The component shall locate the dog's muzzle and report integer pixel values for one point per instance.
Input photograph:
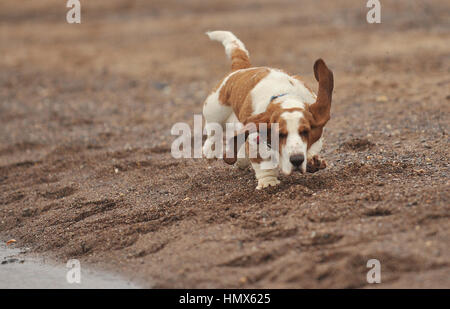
(297, 160)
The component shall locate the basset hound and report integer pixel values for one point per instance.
(256, 95)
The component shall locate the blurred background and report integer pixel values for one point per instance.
(160, 46)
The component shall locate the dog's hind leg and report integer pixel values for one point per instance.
(214, 113)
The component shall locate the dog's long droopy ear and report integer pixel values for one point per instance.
(321, 108)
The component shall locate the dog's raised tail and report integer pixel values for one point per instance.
(234, 49)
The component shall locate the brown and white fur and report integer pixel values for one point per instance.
(245, 96)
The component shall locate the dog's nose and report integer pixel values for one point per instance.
(297, 160)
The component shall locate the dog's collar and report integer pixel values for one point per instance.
(277, 96)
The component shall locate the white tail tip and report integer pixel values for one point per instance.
(229, 41)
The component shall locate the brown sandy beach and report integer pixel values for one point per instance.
(86, 170)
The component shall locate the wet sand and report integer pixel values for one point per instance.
(18, 271)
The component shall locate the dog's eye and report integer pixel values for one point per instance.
(283, 135)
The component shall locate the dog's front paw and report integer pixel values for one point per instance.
(315, 164)
(266, 182)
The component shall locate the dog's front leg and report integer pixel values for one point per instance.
(265, 177)
(315, 163)
(243, 161)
